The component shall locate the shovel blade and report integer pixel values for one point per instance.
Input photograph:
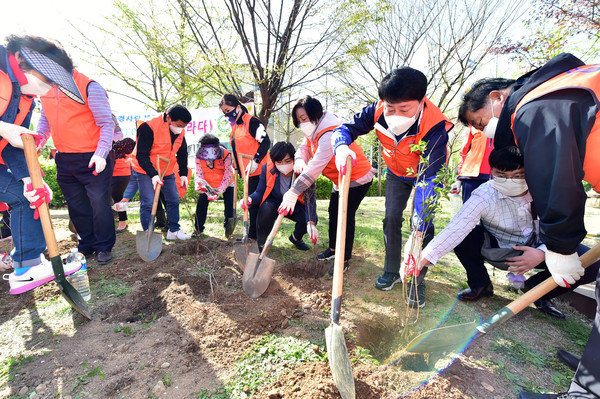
(72, 296)
(241, 252)
(257, 275)
(148, 252)
(443, 339)
(339, 361)
(230, 227)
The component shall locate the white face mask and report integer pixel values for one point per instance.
(490, 129)
(510, 187)
(308, 128)
(398, 124)
(285, 169)
(175, 129)
(35, 86)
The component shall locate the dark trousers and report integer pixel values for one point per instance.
(267, 214)
(468, 185)
(202, 208)
(253, 211)
(117, 189)
(397, 192)
(88, 199)
(355, 197)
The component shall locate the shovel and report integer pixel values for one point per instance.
(231, 222)
(445, 339)
(339, 361)
(72, 296)
(241, 248)
(148, 243)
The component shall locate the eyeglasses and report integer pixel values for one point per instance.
(502, 179)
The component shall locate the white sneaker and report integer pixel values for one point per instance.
(177, 235)
(34, 277)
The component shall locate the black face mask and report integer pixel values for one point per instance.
(231, 115)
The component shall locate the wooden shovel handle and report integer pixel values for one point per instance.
(35, 172)
(246, 179)
(161, 174)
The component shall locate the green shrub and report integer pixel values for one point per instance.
(49, 169)
(324, 187)
(374, 189)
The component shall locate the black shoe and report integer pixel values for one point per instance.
(346, 267)
(301, 245)
(533, 395)
(569, 359)
(328, 254)
(546, 306)
(104, 257)
(416, 296)
(474, 295)
(386, 281)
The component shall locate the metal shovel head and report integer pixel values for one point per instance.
(443, 339)
(241, 252)
(339, 361)
(257, 275)
(229, 227)
(148, 252)
(72, 296)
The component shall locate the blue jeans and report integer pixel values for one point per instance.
(27, 234)
(169, 189)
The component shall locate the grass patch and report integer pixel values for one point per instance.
(11, 366)
(86, 377)
(110, 288)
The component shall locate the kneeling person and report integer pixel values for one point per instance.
(276, 180)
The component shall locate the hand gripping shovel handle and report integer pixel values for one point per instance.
(69, 292)
(161, 174)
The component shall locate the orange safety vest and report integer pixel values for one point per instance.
(399, 157)
(246, 144)
(72, 125)
(122, 167)
(214, 175)
(161, 146)
(182, 190)
(475, 154)
(6, 90)
(271, 177)
(586, 77)
(361, 169)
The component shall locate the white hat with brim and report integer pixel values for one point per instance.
(54, 72)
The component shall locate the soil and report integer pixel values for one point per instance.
(186, 321)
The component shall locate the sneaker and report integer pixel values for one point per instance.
(34, 277)
(299, 244)
(415, 297)
(177, 235)
(346, 267)
(387, 280)
(328, 254)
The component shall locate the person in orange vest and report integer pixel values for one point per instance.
(29, 66)
(214, 170)
(551, 114)
(249, 137)
(402, 117)
(315, 157)
(474, 166)
(275, 181)
(162, 135)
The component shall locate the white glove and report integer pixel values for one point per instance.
(12, 133)
(565, 269)
(455, 188)
(288, 203)
(156, 180)
(312, 231)
(184, 182)
(36, 197)
(341, 155)
(299, 166)
(251, 168)
(99, 162)
(412, 255)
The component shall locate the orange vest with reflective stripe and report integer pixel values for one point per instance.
(587, 78)
(161, 146)
(246, 144)
(363, 166)
(398, 156)
(72, 125)
(25, 101)
(214, 175)
(122, 167)
(478, 150)
(271, 177)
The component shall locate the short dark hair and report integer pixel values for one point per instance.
(312, 106)
(477, 97)
(280, 150)
(506, 158)
(179, 113)
(48, 48)
(403, 84)
(232, 101)
(209, 139)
